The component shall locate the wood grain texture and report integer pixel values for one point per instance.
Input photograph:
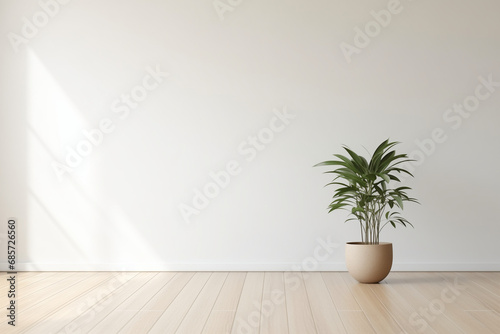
(274, 317)
(339, 292)
(172, 318)
(300, 318)
(254, 302)
(194, 321)
(247, 317)
(417, 316)
(356, 322)
(325, 314)
(380, 318)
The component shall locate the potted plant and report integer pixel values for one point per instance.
(364, 188)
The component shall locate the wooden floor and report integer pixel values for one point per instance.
(253, 302)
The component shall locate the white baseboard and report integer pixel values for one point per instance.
(446, 266)
(243, 266)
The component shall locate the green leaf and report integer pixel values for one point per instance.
(392, 177)
(337, 183)
(357, 209)
(385, 177)
(336, 206)
(400, 202)
(330, 163)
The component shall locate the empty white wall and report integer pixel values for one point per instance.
(231, 71)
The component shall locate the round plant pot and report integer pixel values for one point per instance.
(368, 263)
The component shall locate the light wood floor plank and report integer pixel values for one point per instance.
(432, 287)
(407, 287)
(59, 319)
(374, 311)
(483, 282)
(119, 317)
(145, 294)
(221, 318)
(274, 318)
(340, 294)
(356, 322)
(230, 294)
(141, 322)
(247, 317)
(300, 319)
(323, 309)
(169, 292)
(458, 285)
(60, 302)
(28, 281)
(490, 319)
(152, 311)
(219, 322)
(493, 277)
(90, 318)
(38, 296)
(174, 314)
(197, 316)
(399, 307)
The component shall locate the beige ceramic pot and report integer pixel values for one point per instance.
(368, 263)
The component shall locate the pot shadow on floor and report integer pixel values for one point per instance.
(412, 278)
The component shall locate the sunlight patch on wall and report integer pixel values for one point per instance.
(70, 215)
(51, 121)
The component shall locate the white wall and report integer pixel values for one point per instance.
(229, 76)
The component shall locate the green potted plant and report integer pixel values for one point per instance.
(365, 188)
